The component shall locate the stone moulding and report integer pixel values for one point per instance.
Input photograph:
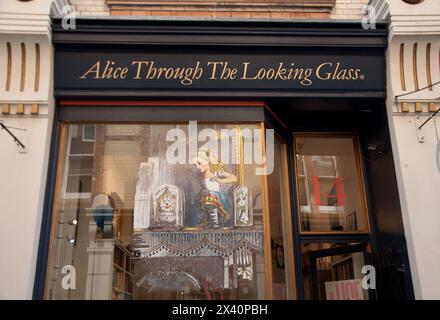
(226, 5)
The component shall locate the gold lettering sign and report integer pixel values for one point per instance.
(150, 70)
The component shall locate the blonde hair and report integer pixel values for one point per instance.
(214, 164)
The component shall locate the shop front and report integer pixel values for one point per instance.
(220, 160)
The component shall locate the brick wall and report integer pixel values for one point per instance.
(348, 9)
(343, 9)
(91, 7)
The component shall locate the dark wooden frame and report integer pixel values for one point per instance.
(227, 33)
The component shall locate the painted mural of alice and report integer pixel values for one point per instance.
(215, 205)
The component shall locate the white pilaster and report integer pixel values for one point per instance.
(26, 103)
(413, 62)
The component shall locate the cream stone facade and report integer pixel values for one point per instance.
(26, 104)
(413, 73)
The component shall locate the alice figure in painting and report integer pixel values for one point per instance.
(215, 204)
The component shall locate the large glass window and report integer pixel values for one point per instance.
(162, 211)
(330, 186)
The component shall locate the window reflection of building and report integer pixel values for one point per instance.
(79, 161)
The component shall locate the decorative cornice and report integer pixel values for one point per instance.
(26, 72)
(225, 5)
(26, 52)
(22, 23)
(422, 18)
(25, 17)
(425, 24)
(230, 32)
(381, 9)
(60, 7)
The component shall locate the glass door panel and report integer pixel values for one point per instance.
(330, 184)
(333, 271)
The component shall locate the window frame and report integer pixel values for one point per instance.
(361, 178)
(247, 112)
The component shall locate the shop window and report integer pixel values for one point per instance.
(330, 185)
(162, 222)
